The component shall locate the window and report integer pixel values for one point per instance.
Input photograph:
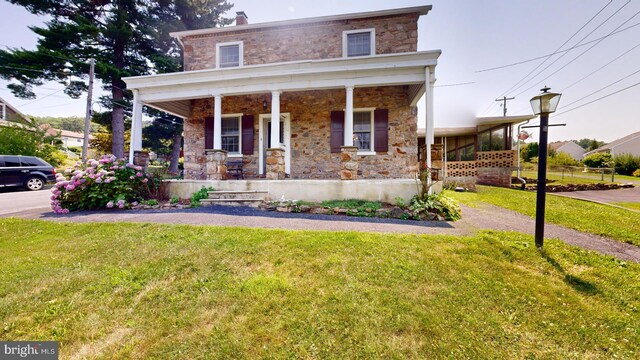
(30, 161)
(362, 124)
(231, 134)
(358, 42)
(11, 161)
(467, 153)
(3, 112)
(229, 54)
(492, 140)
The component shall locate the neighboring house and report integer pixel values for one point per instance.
(629, 144)
(483, 152)
(9, 115)
(569, 147)
(325, 98)
(68, 138)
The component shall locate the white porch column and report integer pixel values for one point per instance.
(136, 126)
(428, 97)
(275, 119)
(348, 118)
(217, 122)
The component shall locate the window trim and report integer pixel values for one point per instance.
(240, 53)
(239, 153)
(345, 43)
(372, 136)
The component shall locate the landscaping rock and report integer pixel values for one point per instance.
(304, 208)
(396, 212)
(285, 209)
(319, 210)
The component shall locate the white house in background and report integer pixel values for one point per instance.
(568, 147)
(68, 138)
(629, 144)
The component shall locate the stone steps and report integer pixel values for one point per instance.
(235, 198)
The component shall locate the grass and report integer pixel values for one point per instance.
(629, 205)
(160, 291)
(580, 215)
(578, 178)
(627, 178)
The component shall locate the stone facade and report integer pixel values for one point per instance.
(349, 163)
(275, 164)
(215, 167)
(310, 41)
(311, 156)
(495, 176)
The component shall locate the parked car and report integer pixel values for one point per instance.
(28, 171)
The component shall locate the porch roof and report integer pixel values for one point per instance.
(172, 92)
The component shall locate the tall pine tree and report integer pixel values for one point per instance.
(125, 37)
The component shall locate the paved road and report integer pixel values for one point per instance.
(15, 200)
(605, 196)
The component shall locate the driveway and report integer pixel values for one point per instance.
(605, 196)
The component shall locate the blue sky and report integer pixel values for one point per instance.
(473, 36)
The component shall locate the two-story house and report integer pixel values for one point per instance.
(324, 98)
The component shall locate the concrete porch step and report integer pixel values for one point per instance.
(232, 202)
(238, 195)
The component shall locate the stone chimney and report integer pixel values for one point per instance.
(241, 18)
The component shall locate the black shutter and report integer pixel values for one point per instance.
(247, 135)
(208, 133)
(337, 130)
(381, 130)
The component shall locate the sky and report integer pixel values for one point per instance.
(473, 36)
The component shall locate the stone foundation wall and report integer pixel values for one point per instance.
(311, 156)
(495, 176)
(321, 40)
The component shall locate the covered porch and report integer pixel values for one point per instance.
(297, 120)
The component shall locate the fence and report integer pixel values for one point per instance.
(567, 173)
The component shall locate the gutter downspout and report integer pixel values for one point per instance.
(523, 181)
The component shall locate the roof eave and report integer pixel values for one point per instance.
(421, 10)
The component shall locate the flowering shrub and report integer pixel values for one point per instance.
(98, 184)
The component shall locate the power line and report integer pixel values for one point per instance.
(602, 67)
(577, 57)
(515, 87)
(602, 88)
(600, 98)
(458, 84)
(44, 97)
(557, 52)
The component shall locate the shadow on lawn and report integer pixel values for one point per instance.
(575, 282)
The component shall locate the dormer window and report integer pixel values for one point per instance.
(229, 54)
(359, 42)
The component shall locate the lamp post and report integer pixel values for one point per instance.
(543, 105)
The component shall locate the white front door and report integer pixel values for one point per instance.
(265, 140)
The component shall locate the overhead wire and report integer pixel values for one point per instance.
(598, 99)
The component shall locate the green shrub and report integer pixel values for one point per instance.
(174, 200)
(436, 203)
(626, 164)
(598, 160)
(203, 193)
(98, 184)
(636, 173)
(562, 159)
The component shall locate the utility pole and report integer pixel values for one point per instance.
(504, 104)
(87, 118)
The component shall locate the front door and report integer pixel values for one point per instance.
(265, 140)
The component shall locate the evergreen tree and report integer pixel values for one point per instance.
(125, 37)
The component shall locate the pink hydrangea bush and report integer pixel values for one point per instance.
(105, 183)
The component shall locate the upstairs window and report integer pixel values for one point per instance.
(229, 54)
(358, 42)
(231, 134)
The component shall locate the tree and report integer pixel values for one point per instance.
(69, 123)
(164, 137)
(589, 144)
(598, 160)
(30, 141)
(529, 151)
(125, 37)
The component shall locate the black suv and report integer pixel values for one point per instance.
(28, 171)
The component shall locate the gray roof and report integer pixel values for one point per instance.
(614, 143)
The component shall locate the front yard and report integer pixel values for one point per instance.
(615, 223)
(160, 291)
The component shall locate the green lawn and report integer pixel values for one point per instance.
(581, 215)
(629, 205)
(160, 291)
(577, 178)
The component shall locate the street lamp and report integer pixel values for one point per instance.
(543, 105)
